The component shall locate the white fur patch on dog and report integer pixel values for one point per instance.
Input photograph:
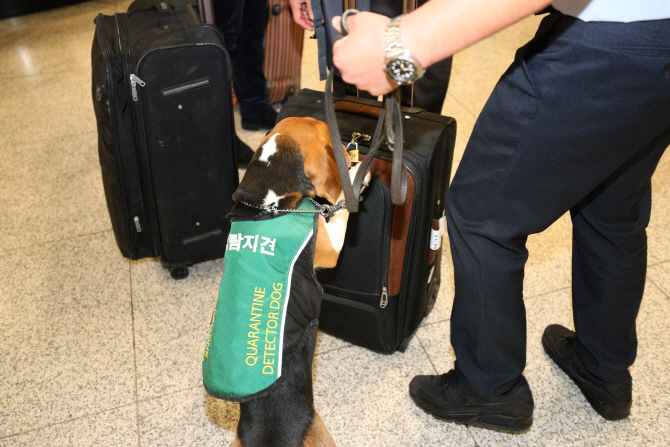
(268, 149)
(336, 228)
(271, 198)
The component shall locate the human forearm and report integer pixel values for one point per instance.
(440, 28)
(433, 32)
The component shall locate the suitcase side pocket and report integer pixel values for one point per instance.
(357, 305)
(358, 323)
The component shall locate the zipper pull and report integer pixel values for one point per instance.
(357, 136)
(385, 298)
(138, 227)
(134, 80)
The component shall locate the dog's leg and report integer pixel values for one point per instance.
(286, 416)
(318, 435)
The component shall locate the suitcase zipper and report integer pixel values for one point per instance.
(109, 86)
(126, 54)
(385, 298)
(134, 80)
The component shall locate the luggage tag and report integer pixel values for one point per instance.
(436, 235)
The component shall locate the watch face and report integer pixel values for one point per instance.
(401, 71)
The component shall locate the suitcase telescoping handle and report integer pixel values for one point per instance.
(389, 123)
(206, 11)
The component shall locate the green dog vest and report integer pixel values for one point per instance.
(268, 296)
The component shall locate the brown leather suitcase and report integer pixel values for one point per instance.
(283, 52)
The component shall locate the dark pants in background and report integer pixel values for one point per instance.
(578, 123)
(243, 24)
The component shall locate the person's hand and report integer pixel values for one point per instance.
(302, 13)
(360, 55)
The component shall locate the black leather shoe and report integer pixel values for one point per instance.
(243, 152)
(612, 401)
(266, 121)
(446, 397)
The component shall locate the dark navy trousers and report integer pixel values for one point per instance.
(578, 123)
(243, 24)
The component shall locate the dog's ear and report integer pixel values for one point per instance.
(321, 170)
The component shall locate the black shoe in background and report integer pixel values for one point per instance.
(447, 397)
(611, 401)
(266, 121)
(243, 152)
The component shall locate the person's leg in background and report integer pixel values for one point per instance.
(243, 24)
(564, 118)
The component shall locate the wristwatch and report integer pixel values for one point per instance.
(399, 64)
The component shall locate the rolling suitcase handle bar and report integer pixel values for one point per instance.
(206, 11)
(390, 122)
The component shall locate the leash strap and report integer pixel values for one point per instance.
(347, 188)
(390, 122)
(320, 36)
(389, 128)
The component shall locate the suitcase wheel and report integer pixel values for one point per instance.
(404, 343)
(179, 272)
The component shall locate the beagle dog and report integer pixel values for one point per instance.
(294, 163)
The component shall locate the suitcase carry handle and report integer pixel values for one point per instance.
(390, 123)
(165, 14)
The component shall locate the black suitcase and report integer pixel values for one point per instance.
(388, 273)
(162, 99)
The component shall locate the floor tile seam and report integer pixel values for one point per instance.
(171, 393)
(472, 435)
(658, 287)
(432, 323)
(59, 137)
(334, 349)
(472, 113)
(657, 264)
(427, 355)
(55, 241)
(53, 424)
(132, 318)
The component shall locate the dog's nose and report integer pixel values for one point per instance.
(242, 195)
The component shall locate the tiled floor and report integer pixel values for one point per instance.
(98, 351)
